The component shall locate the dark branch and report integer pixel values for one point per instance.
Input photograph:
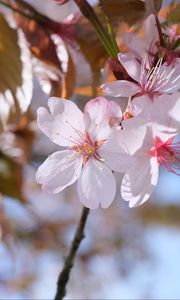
(69, 261)
(161, 38)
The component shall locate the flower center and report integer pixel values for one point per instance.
(168, 154)
(88, 148)
(157, 78)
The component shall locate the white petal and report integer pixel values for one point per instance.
(120, 88)
(96, 185)
(100, 115)
(132, 66)
(133, 134)
(138, 184)
(59, 170)
(174, 110)
(151, 34)
(142, 106)
(170, 82)
(64, 125)
(165, 116)
(114, 155)
(132, 40)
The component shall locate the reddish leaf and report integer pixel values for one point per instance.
(40, 41)
(15, 74)
(129, 11)
(11, 178)
(48, 66)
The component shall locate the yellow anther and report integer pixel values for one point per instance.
(171, 157)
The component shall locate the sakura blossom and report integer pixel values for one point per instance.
(87, 156)
(147, 83)
(149, 145)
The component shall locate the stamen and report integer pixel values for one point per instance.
(67, 139)
(153, 80)
(79, 133)
(154, 74)
(88, 148)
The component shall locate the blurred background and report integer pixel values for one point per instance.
(127, 253)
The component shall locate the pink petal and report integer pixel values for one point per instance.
(173, 109)
(132, 40)
(166, 107)
(165, 116)
(163, 113)
(100, 115)
(68, 110)
(132, 66)
(151, 35)
(139, 182)
(96, 185)
(133, 135)
(64, 125)
(170, 82)
(59, 170)
(114, 155)
(142, 106)
(120, 88)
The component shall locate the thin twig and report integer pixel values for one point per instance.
(69, 261)
(161, 38)
(89, 13)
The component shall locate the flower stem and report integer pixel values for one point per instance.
(89, 13)
(69, 261)
(161, 39)
(111, 34)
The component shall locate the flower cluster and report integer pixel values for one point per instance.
(103, 139)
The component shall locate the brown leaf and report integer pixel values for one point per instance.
(48, 66)
(53, 81)
(69, 79)
(16, 142)
(49, 77)
(129, 11)
(91, 47)
(11, 178)
(173, 17)
(15, 74)
(40, 41)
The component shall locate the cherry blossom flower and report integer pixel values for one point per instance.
(148, 84)
(89, 156)
(147, 147)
